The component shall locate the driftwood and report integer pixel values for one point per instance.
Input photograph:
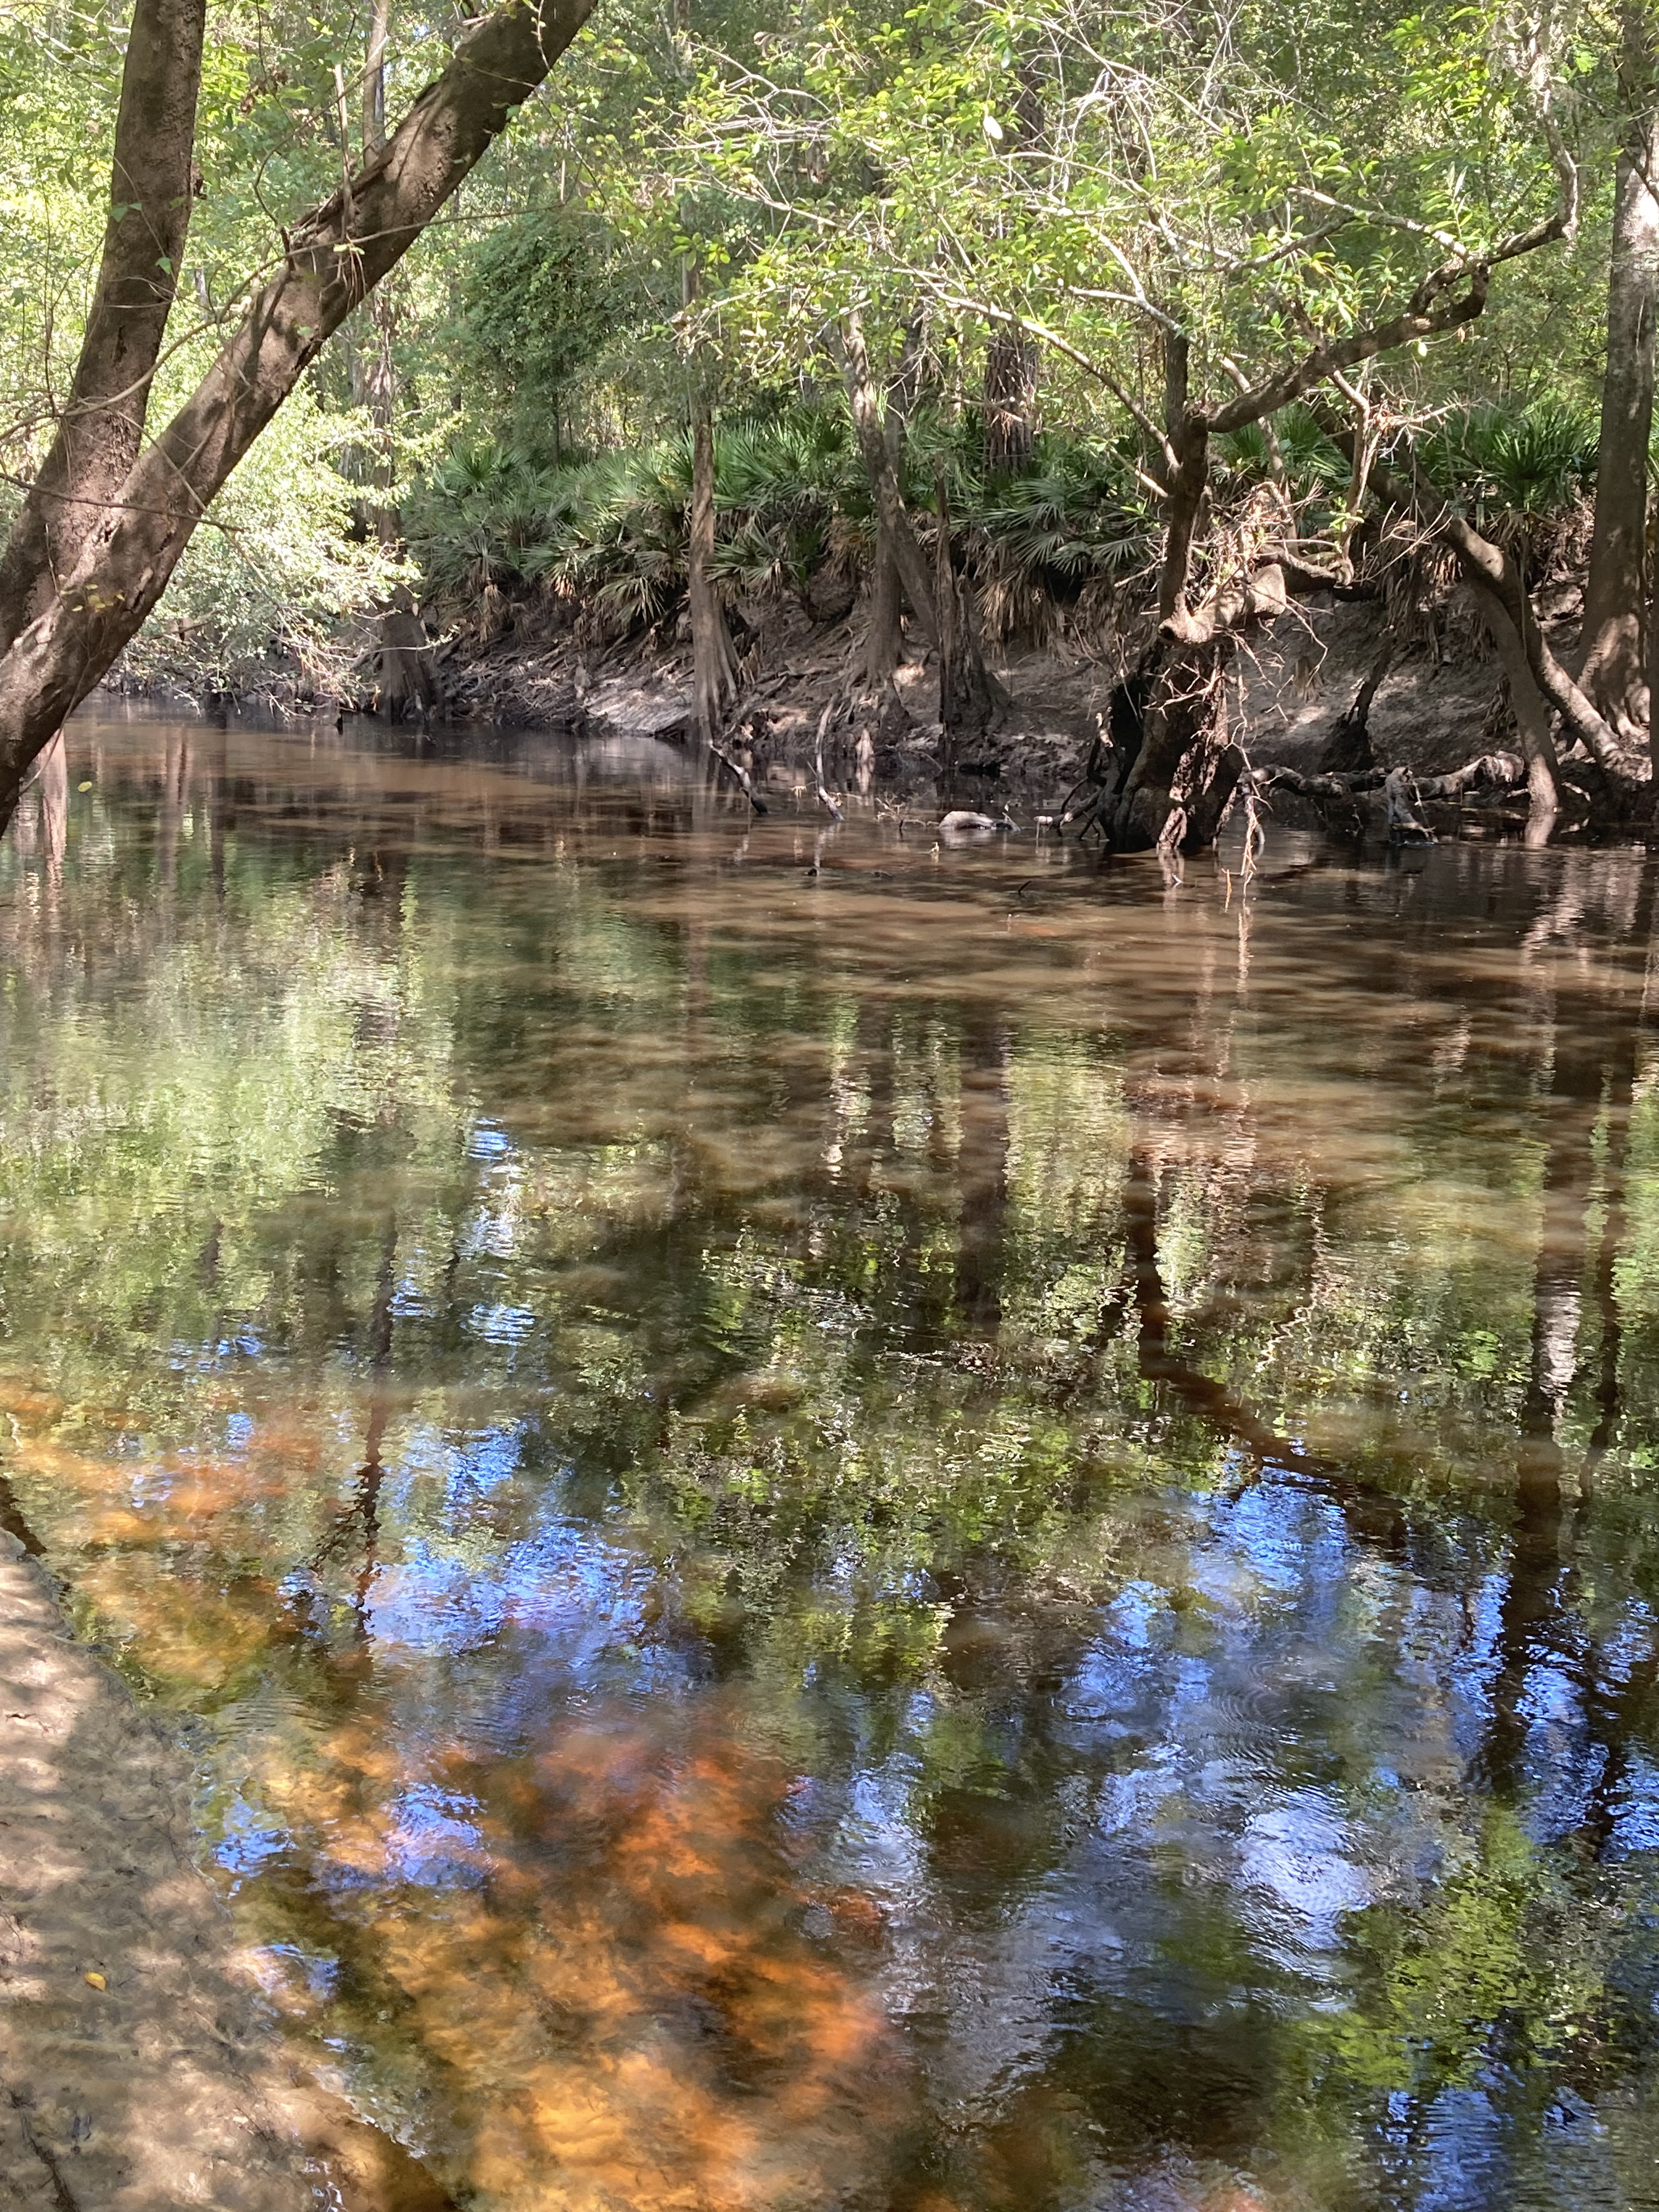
(1498, 773)
(1488, 777)
(817, 762)
(744, 780)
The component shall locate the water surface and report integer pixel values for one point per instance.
(852, 1525)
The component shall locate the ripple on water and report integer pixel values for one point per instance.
(737, 1670)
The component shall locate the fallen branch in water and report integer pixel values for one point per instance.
(746, 782)
(1401, 799)
(1498, 773)
(824, 724)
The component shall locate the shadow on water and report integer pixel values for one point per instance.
(856, 1526)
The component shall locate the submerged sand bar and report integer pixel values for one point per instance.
(161, 2088)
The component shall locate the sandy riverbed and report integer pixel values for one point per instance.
(136, 2073)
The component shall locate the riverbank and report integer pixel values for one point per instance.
(1326, 698)
(1431, 703)
(1297, 676)
(1435, 699)
(137, 2073)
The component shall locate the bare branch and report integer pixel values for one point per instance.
(1429, 313)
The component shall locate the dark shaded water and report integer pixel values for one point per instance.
(954, 1535)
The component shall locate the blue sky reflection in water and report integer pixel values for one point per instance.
(948, 1535)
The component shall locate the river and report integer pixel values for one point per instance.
(853, 1523)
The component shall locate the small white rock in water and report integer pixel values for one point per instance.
(962, 824)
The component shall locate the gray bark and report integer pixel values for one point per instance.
(864, 402)
(1613, 668)
(712, 672)
(1010, 400)
(1492, 572)
(334, 258)
(966, 698)
(73, 499)
(883, 636)
(374, 78)
(1532, 720)
(884, 639)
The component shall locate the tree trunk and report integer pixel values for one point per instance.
(1172, 793)
(1186, 432)
(375, 77)
(1189, 476)
(883, 640)
(72, 503)
(965, 697)
(1011, 383)
(1613, 671)
(1187, 490)
(1532, 720)
(1348, 748)
(1492, 573)
(406, 680)
(869, 428)
(884, 637)
(405, 674)
(713, 675)
(335, 256)
(1012, 360)
(1169, 791)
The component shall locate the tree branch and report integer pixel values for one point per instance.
(335, 256)
(99, 432)
(1428, 313)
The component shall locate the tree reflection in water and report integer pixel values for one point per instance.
(936, 1536)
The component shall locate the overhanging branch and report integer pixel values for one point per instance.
(335, 256)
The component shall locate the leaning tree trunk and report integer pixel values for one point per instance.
(1614, 661)
(334, 258)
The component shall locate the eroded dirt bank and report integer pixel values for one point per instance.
(1439, 701)
(136, 2073)
(1434, 693)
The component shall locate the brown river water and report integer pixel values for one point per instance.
(850, 1524)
